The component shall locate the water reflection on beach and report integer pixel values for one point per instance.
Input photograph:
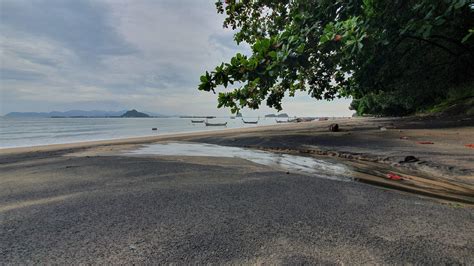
(292, 163)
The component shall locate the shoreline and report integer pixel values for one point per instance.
(155, 138)
(359, 144)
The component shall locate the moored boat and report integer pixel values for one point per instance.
(216, 124)
(197, 121)
(249, 122)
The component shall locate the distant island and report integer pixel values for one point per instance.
(277, 115)
(134, 113)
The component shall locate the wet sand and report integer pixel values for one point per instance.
(88, 203)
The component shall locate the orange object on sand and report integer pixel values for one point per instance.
(470, 145)
(425, 142)
(394, 176)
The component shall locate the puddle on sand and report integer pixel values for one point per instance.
(291, 163)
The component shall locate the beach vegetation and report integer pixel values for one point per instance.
(391, 57)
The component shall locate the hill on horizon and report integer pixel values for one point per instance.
(134, 113)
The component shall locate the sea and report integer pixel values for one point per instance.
(28, 132)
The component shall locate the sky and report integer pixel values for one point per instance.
(121, 54)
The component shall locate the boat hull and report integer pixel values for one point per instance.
(216, 124)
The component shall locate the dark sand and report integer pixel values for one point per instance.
(86, 203)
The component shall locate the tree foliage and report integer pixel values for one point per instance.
(389, 56)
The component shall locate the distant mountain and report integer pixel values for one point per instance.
(134, 113)
(278, 115)
(71, 113)
(76, 113)
(93, 113)
(27, 114)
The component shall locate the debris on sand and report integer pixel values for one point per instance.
(425, 142)
(410, 159)
(394, 176)
(334, 127)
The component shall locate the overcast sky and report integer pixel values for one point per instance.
(119, 54)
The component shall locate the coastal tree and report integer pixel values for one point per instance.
(391, 57)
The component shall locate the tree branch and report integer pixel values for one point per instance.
(432, 43)
(454, 41)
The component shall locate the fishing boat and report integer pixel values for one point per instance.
(249, 122)
(216, 124)
(197, 121)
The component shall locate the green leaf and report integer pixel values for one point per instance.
(459, 4)
(324, 38)
(467, 37)
(439, 21)
(300, 48)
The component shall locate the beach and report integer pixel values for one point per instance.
(90, 202)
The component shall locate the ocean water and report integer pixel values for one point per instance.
(26, 132)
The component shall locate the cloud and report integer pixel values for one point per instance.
(141, 54)
(81, 26)
(224, 42)
(16, 74)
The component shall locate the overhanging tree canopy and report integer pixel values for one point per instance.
(390, 56)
